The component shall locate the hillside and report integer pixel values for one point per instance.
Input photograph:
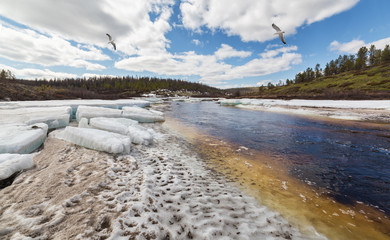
(371, 83)
(100, 88)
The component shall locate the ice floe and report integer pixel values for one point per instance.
(91, 112)
(22, 138)
(138, 134)
(143, 115)
(54, 117)
(95, 139)
(12, 163)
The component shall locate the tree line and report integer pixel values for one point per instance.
(363, 59)
(105, 84)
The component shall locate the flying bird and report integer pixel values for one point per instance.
(110, 40)
(279, 32)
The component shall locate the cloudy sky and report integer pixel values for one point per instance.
(222, 43)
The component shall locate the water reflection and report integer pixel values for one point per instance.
(352, 163)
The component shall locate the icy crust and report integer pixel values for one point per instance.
(137, 133)
(143, 115)
(91, 112)
(366, 110)
(136, 113)
(358, 104)
(12, 163)
(116, 104)
(22, 138)
(163, 191)
(95, 139)
(54, 117)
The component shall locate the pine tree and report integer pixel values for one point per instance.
(385, 54)
(372, 55)
(361, 60)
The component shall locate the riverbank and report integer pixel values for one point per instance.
(161, 191)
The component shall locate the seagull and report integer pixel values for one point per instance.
(279, 32)
(111, 40)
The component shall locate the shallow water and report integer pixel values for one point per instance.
(350, 162)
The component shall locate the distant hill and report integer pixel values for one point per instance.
(370, 83)
(101, 88)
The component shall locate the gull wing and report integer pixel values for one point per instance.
(276, 27)
(109, 37)
(113, 44)
(282, 38)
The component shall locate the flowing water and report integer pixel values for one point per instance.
(348, 164)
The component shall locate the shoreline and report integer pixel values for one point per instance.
(158, 191)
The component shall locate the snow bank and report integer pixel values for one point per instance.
(96, 139)
(54, 117)
(356, 104)
(12, 163)
(143, 115)
(138, 134)
(22, 138)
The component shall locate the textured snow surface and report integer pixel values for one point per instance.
(95, 139)
(12, 163)
(22, 138)
(160, 191)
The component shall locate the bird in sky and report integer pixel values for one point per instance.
(111, 41)
(279, 32)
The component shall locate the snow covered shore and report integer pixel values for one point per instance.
(159, 191)
(364, 110)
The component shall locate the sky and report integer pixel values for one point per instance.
(220, 43)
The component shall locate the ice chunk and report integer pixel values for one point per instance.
(117, 125)
(22, 138)
(54, 117)
(12, 163)
(84, 123)
(142, 115)
(96, 139)
(91, 112)
(138, 134)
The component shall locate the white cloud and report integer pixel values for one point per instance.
(209, 68)
(350, 47)
(88, 21)
(252, 19)
(227, 51)
(28, 46)
(264, 82)
(196, 42)
(33, 73)
(353, 46)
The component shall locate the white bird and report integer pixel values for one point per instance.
(279, 32)
(111, 41)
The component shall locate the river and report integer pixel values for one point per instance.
(347, 163)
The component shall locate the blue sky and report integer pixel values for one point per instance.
(224, 44)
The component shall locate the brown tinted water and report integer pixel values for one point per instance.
(299, 171)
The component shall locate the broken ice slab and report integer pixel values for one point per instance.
(96, 139)
(138, 134)
(12, 163)
(91, 112)
(54, 117)
(143, 115)
(22, 138)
